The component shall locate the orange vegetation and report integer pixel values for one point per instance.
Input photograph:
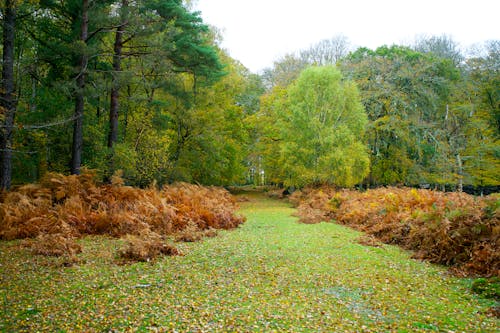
(74, 206)
(454, 229)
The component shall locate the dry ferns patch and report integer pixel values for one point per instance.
(147, 247)
(454, 229)
(62, 208)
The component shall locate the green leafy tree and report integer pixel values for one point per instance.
(405, 93)
(123, 22)
(209, 137)
(68, 40)
(163, 41)
(480, 98)
(264, 159)
(322, 125)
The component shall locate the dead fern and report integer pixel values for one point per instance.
(368, 240)
(454, 229)
(146, 247)
(55, 245)
(76, 206)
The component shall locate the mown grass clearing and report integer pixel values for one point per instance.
(271, 273)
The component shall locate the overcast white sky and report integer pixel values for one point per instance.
(257, 32)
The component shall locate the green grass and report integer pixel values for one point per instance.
(271, 274)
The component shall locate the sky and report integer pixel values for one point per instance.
(258, 32)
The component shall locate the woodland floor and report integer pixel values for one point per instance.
(270, 274)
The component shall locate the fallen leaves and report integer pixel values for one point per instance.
(272, 274)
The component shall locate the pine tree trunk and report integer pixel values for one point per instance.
(7, 97)
(115, 89)
(77, 146)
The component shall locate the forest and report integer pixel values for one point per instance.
(144, 87)
(140, 166)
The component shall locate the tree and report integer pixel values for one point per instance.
(132, 51)
(69, 41)
(208, 138)
(117, 68)
(480, 98)
(284, 71)
(171, 47)
(322, 124)
(264, 154)
(327, 51)
(405, 95)
(7, 97)
(441, 46)
(77, 143)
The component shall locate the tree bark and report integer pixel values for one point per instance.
(115, 89)
(77, 146)
(8, 99)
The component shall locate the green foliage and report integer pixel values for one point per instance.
(320, 124)
(208, 139)
(264, 154)
(189, 112)
(174, 124)
(405, 93)
(310, 131)
(483, 124)
(432, 120)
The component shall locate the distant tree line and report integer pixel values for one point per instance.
(433, 113)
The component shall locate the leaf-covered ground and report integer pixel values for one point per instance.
(271, 274)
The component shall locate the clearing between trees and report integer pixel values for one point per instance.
(270, 274)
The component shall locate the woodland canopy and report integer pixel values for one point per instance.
(144, 87)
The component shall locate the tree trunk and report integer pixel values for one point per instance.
(8, 98)
(77, 146)
(115, 88)
(460, 172)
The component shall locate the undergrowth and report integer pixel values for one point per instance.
(454, 229)
(270, 275)
(60, 209)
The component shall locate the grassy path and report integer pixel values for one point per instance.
(272, 274)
